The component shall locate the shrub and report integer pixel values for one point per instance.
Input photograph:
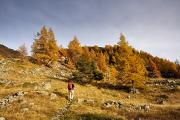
(98, 75)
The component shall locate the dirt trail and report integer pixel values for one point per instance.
(61, 113)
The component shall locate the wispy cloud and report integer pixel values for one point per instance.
(149, 25)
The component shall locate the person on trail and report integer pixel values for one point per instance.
(71, 90)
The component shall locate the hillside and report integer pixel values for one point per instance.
(8, 53)
(34, 92)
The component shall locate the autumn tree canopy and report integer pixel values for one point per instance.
(74, 49)
(121, 63)
(153, 70)
(131, 67)
(44, 48)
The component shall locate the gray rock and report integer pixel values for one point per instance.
(128, 97)
(89, 101)
(134, 91)
(53, 96)
(111, 103)
(10, 98)
(146, 107)
(24, 109)
(80, 100)
(47, 85)
(108, 105)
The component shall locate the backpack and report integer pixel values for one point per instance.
(70, 86)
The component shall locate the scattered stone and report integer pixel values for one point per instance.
(9, 99)
(108, 105)
(46, 85)
(7, 82)
(116, 104)
(80, 100)
(24, 109)
(53, 96)
(166, 83)
(128, 97)
(146, 107)
(134, 91)
(89, 101)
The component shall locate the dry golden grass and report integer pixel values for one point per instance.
(45, 109)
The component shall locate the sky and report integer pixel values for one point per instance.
(149, 25)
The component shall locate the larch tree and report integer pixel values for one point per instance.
(86, 53)
(52, 44)
(75, 50)
(92, 55)
(153, 70)
(101, 62)
(131, 67)
(44, 48)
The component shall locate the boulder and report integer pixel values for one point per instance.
(46, 85)
(53, 96)
(134, 91)
(24, 109)
(128, 97)
(108, 105)
(89, 101)
(2, 118)
(80, 100)
(10, 98)
(146, 107)
(117, 104)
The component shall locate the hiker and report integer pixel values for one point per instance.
(71, 90)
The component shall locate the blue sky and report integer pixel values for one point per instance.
(149, 25)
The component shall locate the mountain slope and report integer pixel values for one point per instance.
(45, 96)
(8, 53)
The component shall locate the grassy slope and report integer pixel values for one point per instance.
(44, 108)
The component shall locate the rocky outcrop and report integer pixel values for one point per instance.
(6, 82)
(111, 103)
(86, 101)
(165, 83)
(128, 107)
(53, 96)
(11, 98)
(11, 66)
(134, 91)
(43, 86)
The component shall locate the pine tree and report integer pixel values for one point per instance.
(131, 67)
